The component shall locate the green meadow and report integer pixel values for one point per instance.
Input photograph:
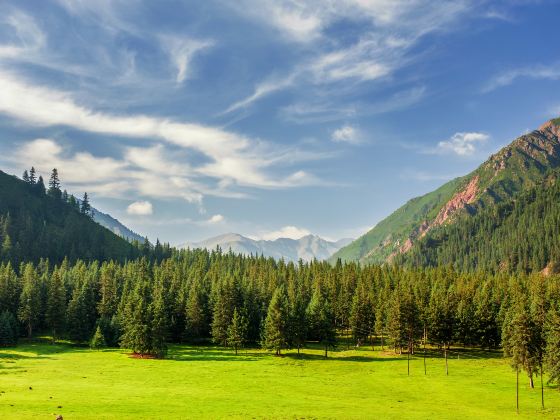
(40, 380)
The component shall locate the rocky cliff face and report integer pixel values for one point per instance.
(518, 166)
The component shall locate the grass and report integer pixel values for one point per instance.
(39, 380)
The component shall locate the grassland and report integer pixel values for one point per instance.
(39, 380)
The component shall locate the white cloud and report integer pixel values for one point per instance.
(346, 134)
(462, 144)
(291, 232)
(261, 90)
(28, 38)
(140, 208)
(217, 218)
(231, 156)
(181, 53)
(389, 29)
(550, 72)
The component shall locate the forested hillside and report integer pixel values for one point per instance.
(517, 235)
(527, 163)
(38, 221)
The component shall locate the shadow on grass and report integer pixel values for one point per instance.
(207, 353)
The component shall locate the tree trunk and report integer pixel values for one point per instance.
(326, 349)
(542, 389)
(446, 365)
(531, 383)
(235, 350)
(408, 360)
(381, 341)
(517, 388)
(424, 357)
(29, 330)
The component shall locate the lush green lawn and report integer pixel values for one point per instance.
(40, 380)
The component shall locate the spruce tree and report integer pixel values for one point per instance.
(362, 315)
(56, 305)
(25, 176)
(98, 340)
(85, 207)
(158, 324)
(54, 185)
(321, 320)
(30, 299)
(197, 311)
(237, 331)
(8, 329)
(552, 354)
(275, 332)
(32, 176)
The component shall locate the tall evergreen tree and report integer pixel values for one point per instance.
(30, 300)
(56, 305)
(275, 332)
(321, 320)
(237, 331)
(85, 207)
(8, 329)
(54, 185)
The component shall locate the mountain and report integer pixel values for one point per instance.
(529, 164)
(115, 226)
(306, 248)
(36, 225)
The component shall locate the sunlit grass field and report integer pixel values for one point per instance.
(40, 380)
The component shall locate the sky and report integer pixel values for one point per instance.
(268, 118)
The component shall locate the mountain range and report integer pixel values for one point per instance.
(115, 226)
(306, 248)
(509, 182)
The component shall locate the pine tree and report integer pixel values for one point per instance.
(8, 329)
(56, 305)
(85, 208)
(25, 176)
(197, 311)
(321, 320)
(362, 316)
(98, 340)
(237, 331)
(40, 186)
(552, 354)
(136, 320)
(275, 332)
(54, 185)
(30, 299)
(32, 176)
(158, 326)
(298, 322)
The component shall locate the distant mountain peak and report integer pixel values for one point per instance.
(307, 248)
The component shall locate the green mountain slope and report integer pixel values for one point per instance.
(34, 225)
(521, 234)
(518, 167)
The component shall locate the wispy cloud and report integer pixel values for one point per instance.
(389, 31)
(290, 232)
(462, 144)
(550, 72)
(232, 156)
(181, 53)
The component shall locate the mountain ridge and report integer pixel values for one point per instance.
(515, 168)
(307, 248)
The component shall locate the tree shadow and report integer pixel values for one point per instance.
(206, 353)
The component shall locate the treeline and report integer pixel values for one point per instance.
(197, 296)
(518, 235)
(43, 221)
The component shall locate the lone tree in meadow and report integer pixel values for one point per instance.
(237, 331)
(275, 333)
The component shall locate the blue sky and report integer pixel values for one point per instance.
(268, 118)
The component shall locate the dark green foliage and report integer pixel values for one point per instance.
(552, 354)
(362, 317)
(275, 332)
(35, 225)
(8, 329)
(321, 320)
(98, 340)
(56, 305)
(237, 331)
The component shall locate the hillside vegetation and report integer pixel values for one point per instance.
(528, 162)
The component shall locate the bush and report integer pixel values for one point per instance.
(97, 341)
